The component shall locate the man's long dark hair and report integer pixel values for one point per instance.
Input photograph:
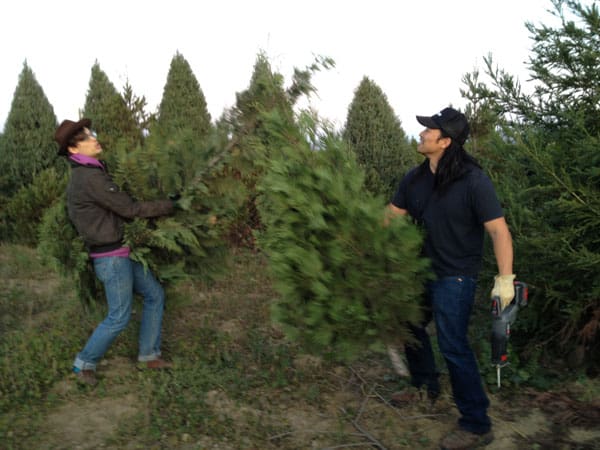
(454, 163)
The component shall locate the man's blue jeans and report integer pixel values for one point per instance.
(450, 301)
(121, 278)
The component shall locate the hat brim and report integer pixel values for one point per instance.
(428, 122)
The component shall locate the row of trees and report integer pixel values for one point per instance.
(266, 169)
(216, 167)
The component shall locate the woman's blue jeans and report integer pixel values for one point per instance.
(122, 277)
(450, 301)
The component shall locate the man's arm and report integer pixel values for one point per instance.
(392, 211)
(503, 248)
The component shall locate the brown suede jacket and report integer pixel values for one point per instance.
(98, 209)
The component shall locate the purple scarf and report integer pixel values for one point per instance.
(86, 160)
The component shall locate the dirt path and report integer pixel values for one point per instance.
(354, 414)
(238, 384)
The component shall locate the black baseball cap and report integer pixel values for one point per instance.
(450, 121)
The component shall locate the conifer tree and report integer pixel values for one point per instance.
(265, 92)
(4, 181)
(111, 118)
(63, 249)
(24, 211)
(375, 134)
(189, 243)
(545, 162)
(347, 282)
(28, 145)
(137, 107)
(250, 140)
(183, 105)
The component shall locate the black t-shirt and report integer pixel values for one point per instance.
(454, 220)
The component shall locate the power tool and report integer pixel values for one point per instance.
(501, 323)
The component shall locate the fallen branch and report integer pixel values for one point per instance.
(372, 440)
(290, 433)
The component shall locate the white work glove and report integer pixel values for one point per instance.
(504, 289)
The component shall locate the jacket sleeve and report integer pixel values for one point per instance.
(107, 194)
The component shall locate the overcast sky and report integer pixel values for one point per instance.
(416, 50)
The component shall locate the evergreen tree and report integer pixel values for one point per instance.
(189, 243)
(375, 134)
(344, 287)
(110, 116)
(265, 93)
(27, 146)
(62, 248)
(482, 113)
(4, 179)
(563, 65)
(250, 147)
(183, 106)
(545, 162)
(249, 142)
(24, 211)
(137, 107)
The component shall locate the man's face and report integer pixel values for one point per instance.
(432, 143)
(89, 146)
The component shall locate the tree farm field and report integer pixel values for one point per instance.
(237, 382)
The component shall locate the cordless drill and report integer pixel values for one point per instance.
(501, 323)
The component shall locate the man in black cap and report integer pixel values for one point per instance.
(98, 210)
(454, 201)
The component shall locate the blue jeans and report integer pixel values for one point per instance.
(122, 277)
(450, 300)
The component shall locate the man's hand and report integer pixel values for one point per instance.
(504, 289)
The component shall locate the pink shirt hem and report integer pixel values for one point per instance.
(122, 252)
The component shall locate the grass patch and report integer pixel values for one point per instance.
(237, 381)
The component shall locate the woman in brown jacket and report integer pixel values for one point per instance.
(98, 210)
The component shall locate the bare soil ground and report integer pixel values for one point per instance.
(353, 413)
(322, 406)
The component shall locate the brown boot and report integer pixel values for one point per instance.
(460, 439)
(156, 364)
(87, 377)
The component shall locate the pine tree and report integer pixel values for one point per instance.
(111, 118)
(250, 147)
(189, 243)
(183, 105)
(545, 162)
(375, 134)
(347, 282)
(24, 211)
(265, 93)
(249, 142)
(62, 248)
(137, 107)
(28, 145)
